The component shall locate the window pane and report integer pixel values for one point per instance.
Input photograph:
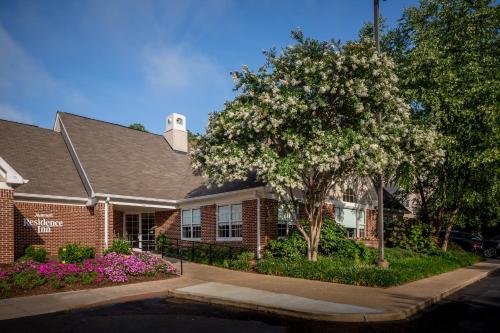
(196, 217)
(236, 214)
(224, 230)
(196, 231)
(349, 218)
(236, 230)
(338, 215)
(186, 217)
(361, 217)
(186, 232)
(223, 214)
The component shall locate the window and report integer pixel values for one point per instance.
(349, 195)
(229, 222)
(285, 221)
(191, 224)
(353, 220)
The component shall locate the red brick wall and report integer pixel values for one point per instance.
(208, 223)
(82, 224)
(268, 221)
(6, 226)
(170, 223)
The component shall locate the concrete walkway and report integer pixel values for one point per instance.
(324, 300)
(61, 301)
(281, 295)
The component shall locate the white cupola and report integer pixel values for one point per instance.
(176, 132)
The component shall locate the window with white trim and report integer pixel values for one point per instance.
(230, 221)
(285, 221)
(191, 224)
(349, 195)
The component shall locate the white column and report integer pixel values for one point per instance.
(106, 222)
(258, 228)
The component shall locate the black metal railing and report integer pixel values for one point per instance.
(205, 253)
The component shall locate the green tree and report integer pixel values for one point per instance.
(305, 121)
(138, 127)
(447, 53)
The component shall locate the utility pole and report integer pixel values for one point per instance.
(380, 177)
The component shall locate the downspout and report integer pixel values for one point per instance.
(258, 228)
(106, 222)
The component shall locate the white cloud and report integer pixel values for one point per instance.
(180, 67)
(8, 112)
(16, 67)
(22, 78)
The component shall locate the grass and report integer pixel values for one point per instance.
(405, 266)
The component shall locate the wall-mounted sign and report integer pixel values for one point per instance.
(43, 222)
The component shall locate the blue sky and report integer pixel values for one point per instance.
(137, 61)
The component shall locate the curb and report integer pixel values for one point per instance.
(333, 317)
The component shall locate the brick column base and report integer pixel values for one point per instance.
(6, 226)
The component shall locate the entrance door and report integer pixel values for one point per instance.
(132, 231)
(147, 231)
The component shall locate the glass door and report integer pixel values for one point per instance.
(147, 231)
(132, 230)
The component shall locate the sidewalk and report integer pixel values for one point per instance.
(62, 301)
(324, 300)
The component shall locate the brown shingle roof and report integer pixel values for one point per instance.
(41, 156)
(122, 161)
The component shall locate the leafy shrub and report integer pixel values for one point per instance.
(5, 289)
(75, 253)
(56, 283)
(294, 246)
(89, 278)
(162, 242)
(411, 234)
(36, 254)
(405, 266)
(332, 242)
(28, 279)
(70, 279)
(242, 261)
(120, 246)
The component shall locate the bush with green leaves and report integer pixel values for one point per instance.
(121, 246)
(162, 242)
(405, 266)
(38, 254)
(5, 289)
(333, 242)
(28, 279)
(75, 253)
(411, 234)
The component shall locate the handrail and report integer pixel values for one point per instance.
(177, 248)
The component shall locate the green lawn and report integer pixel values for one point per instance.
(405, 266)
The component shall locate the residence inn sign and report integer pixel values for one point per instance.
(42, 223)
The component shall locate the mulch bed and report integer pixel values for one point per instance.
(48, 289)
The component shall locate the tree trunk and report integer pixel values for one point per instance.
(450, 225)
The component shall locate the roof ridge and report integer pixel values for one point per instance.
(107, 122)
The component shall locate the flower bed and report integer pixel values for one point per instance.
(28, 277)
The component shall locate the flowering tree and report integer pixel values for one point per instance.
(305, 121)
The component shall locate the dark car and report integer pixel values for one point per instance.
(466, 241)
(490, 248)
